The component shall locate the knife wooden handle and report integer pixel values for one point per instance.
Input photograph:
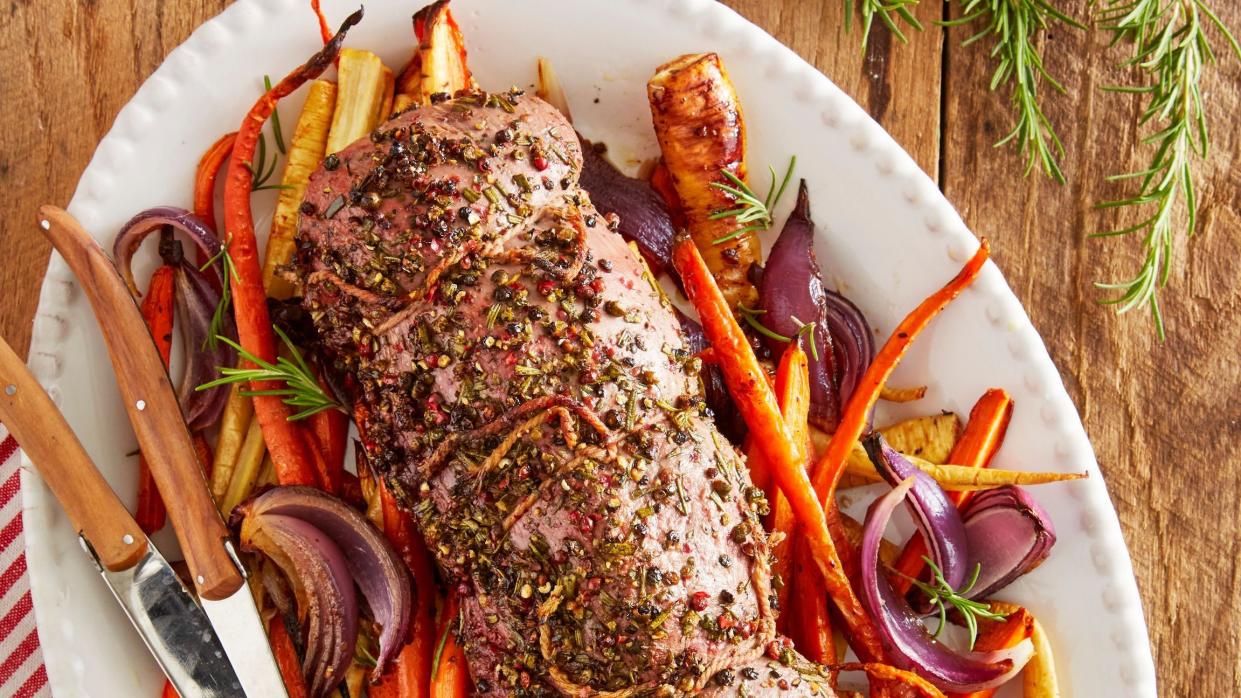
(152, 406)
(45, 436)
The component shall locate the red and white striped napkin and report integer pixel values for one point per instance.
(22, 674)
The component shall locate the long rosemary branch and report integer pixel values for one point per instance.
(1172, 49)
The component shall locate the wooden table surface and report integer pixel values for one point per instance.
(1165, 419)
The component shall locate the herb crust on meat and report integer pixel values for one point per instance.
(522, 385)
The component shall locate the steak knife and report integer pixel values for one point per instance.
(167, 616)
(218, 575)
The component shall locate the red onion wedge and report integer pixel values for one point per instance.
(935, 515)
(644, 217)
(140, 226)
(375, 566)
(197, 298)
(906, 640)
(1009, 534)
(727, 418)
(791, 295)
(852, 340)
(196, 304)
(327, 605)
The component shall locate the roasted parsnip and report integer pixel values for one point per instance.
(306, 151)
(549, 88)
(439, 66)
(1039, 678)
(701, 133)
(930, 438)
(360, 98)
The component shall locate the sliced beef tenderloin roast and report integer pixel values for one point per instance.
(522, 385)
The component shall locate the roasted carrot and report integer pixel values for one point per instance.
(415, 664)
(812, 625)
(452, 675)
(325, 29)
(157, 311)
(888, 673)
(661, 182)
(1000, 635)
(203, 450)
(757, 404)
(793, 396)
(854, 418)
(204, 179)
(983, 434)
(285, 440)
(330, 429)
(289, 663)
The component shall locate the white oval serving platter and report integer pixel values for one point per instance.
(887, 237)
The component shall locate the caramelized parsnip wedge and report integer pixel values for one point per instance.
(701, 132)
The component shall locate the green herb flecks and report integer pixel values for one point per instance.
(751, 213)
(1014, 26)
(1171, 47)
(301, 391)
(942, 595)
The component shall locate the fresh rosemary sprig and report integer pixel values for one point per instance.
(1171, 47)
(887, 12)
(261, 174)
(226, 292)
(942, 595)
(301, 389)
(753, 213)
(804, 329)
(1013, 25)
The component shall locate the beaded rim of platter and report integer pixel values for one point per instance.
(1041, 386)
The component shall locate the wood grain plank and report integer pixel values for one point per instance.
(1163, 418)
(898, 84)
(69, 69)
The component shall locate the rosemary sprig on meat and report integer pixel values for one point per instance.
(1171, 47)
(301, 389)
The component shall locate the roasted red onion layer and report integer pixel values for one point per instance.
(644, 218)
(1009, 534)
(792, 295)
(906, 640)
(379, 572)
(327, 605)
(935, 515)
(197, 298)
(372, 562)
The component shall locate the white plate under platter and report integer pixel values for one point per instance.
(886, 236)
